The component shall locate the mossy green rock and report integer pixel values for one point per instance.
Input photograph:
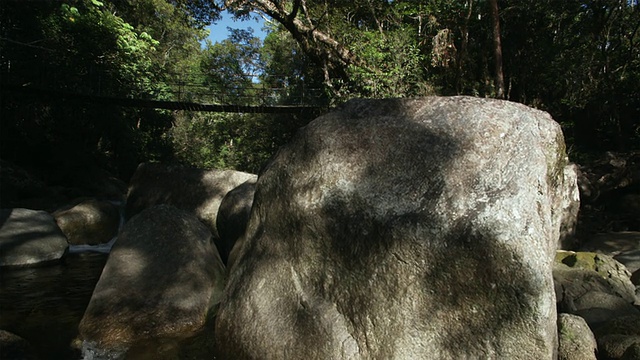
(598, 288)
(589, 264)
(600, 263)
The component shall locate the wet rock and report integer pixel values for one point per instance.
(29, 237)
(403, 229)
(88, 221)
(13, 347)
(162, 279)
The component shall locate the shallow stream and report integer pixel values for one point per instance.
(45, 304)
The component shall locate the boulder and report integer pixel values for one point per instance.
(29, 237)
(88, 221)
(570, 206)
(632, 352)
(597, 307)
(162, 278)
(617, 336)
(622, 325)
(403, 228)
(13, 347)
(635, 278)
(194, 190)
(577, 273)
(615, 346)
(575, 339)
(233, 216)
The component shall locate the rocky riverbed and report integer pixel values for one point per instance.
(595, 280)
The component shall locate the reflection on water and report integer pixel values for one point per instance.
(45, 304)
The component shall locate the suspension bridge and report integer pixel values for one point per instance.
(242, 93)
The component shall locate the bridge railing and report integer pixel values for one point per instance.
(196, 87)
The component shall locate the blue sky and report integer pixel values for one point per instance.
(219, 32)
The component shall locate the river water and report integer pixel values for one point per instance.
(45, 304)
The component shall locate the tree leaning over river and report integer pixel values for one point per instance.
(580, 61)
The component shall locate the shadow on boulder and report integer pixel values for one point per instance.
(402, 229)
(197, 191)
(161, 283)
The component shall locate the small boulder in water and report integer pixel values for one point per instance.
(13, 347)
(29, 237)
(162, 279)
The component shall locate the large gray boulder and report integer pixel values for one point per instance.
(403, 229)
(88, 221)
(161, 280)
(194, 190)
(29, 237)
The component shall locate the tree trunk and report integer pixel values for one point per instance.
(319, 45)
(497, 48)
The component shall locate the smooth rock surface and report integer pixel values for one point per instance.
(88, 221)
(403, 229)
(233, 216)
(194, 190)
(162, 278)
(29, 237)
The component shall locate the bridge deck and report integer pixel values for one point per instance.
(157, 104)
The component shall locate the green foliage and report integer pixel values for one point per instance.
(578, 60)
(396, 66)
(229, 67)
(232, 141)
(83, 47)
